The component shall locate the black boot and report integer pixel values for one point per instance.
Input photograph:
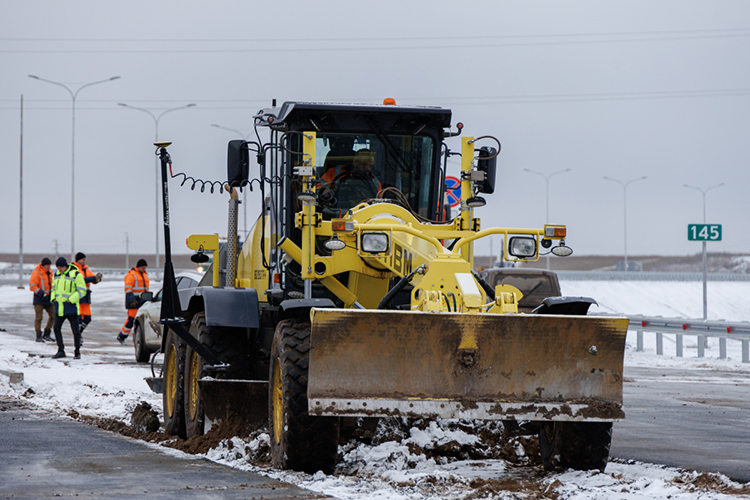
(39, 337)
(60, 354)
(77, 355)
(46, 335)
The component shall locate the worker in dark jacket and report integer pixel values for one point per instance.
(68, 288)
(88, 277)
(136, 282)
(41, 286)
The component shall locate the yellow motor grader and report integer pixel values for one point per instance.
(354, 298)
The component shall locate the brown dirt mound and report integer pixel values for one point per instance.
(710, 482)
(225, 430)
(142, 428)
(144, 418)
(484, 488)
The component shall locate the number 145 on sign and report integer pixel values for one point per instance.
(704, 232)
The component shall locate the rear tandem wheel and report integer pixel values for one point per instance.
(174, 371)
(229, 346)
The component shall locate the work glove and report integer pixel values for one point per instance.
(134, 305)
(98, 277)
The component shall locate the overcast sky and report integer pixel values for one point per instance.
(622, 89)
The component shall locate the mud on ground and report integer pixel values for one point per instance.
(520, 451)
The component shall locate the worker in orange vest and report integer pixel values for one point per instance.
(88, 277)
(41, 285)
(136, 282)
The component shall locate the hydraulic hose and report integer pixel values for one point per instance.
(486, 286)
(386, 302)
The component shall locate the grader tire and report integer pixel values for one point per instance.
(173, 397)
(298, 441)
(575, 445)
(227, 344)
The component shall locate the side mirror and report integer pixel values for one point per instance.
(238, 163)
(147, 296)
(522, 247)
(489, 167)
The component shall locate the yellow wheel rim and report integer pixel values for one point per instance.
(193, 386)
(277, 401)
(171, 385)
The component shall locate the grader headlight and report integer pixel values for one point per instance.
(522, 247)
(375, 242)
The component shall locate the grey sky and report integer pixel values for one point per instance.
(618, 89)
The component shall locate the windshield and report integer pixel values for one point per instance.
(356, 167)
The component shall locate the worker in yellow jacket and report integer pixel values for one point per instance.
(68, 288)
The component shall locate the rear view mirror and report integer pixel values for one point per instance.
(147, 296)
(238, 163)
(488, 165)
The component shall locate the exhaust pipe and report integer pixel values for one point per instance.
(231, 269)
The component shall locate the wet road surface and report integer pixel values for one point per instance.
(44, 457)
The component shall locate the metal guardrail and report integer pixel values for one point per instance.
(636, 276)
(702, 328)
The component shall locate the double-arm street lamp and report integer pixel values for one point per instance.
(73, 95)
(625, 210)
(547, 177)
(244, 191)
(156, 119)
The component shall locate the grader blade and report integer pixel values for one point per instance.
(227, 399)
(452, 365)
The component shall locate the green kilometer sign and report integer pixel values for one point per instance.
(704, 232)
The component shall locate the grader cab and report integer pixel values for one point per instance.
(355, 296)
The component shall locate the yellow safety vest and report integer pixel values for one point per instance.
(67, 290)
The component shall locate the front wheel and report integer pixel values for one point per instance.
(174, 371)
(298, 441)
(575, 445)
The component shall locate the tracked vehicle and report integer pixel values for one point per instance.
(354, 298)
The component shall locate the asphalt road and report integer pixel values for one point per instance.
(45, 458)
(686, 418)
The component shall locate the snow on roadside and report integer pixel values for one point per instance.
(86, 386)
(395, 471)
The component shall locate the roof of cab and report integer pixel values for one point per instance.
(297, 110)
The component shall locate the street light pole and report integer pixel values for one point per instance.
(156, 170)
(73, 96)
(244, 191)
(625, 211)
(705, 258)
(547, 177)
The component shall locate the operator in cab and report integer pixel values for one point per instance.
(350, 186)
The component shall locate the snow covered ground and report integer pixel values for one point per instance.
(107, 383)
